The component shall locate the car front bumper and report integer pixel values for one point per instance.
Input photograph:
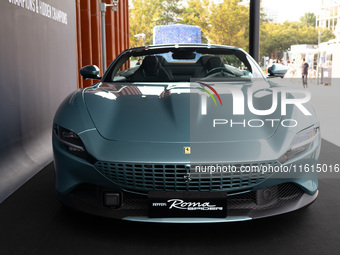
(240, 207)
(82, 185)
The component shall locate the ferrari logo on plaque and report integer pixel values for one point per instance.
(187, 150)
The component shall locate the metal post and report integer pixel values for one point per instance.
(318, 60)
(254, 29)
(103, 11)
(114, 7)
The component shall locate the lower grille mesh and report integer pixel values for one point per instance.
(266, 198)
(174, 177)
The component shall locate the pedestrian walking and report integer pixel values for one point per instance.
(304, 68)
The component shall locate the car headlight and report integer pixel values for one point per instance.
(71, 142)
(301, 142)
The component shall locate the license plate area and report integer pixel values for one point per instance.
(162, 204)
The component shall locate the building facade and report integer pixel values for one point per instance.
(329, 14)
(88, 26)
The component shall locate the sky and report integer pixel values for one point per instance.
(292, 10)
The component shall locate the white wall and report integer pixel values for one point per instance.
(37, 71)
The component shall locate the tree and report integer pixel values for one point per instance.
(326, 34)
(223, 23)
(197, 13)
(229, 24)
(143, 17)
(169, 11)
(309, 19)
(146, 14)
(277, 37)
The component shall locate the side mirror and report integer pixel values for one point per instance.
(90, 72)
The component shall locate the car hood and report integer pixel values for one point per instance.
(178, 113)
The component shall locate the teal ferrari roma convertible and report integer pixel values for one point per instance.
(185, 133)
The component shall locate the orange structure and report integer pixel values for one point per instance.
(89, 46)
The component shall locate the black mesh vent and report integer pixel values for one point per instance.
(134, 201)
(90, 194)
(266, 198)
(168, 177)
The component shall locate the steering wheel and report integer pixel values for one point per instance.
(219, 69)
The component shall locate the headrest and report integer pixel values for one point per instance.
(214, 62)
(150, 65)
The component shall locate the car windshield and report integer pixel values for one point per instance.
(183, 65)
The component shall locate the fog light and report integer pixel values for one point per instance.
(267, 196)
(112, 199)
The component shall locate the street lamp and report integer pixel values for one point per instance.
(141, 35)
(114, 7)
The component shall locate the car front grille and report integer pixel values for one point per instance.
(174, 177)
